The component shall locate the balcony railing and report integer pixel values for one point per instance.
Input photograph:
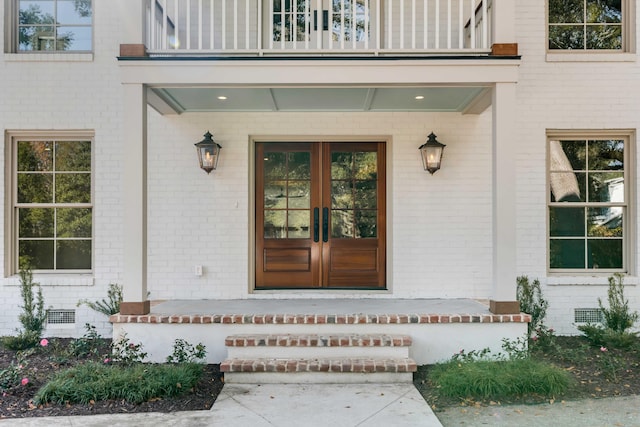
(370, 27)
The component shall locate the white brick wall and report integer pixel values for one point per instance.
(440, 231)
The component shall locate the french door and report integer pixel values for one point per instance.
(319, 24)
(320, 215)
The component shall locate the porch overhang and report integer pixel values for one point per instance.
(179, 85)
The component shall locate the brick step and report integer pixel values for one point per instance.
(318, 340)
(343, 365)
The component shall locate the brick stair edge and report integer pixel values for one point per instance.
(299, 365)
(318, 340)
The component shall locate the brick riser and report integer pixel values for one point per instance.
(363, 366)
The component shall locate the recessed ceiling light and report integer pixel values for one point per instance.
(222, 97)
(419, 97)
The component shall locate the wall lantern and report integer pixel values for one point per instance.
(431, 152)
(208, 153)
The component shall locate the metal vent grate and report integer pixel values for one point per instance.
(587, 315)
(60, 317)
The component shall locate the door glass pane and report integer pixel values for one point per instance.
(341, 195)
(342, 224)
(275, 165)
(366, 195)
(275, 195)
(366, 223)
(341, 165)
(366, 166)
(299, 194)
(275, 223)
(299, 165)
(298, 225)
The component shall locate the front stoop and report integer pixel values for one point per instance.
(318, 358)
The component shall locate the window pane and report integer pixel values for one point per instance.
(35, 156)
(299, 195)
(366, 223)
(73, 255)
(298, 225)
(341, 224)
(566, 11)
(568, 187)
(36, 12)
(566, 222)
(73, 222)
(275, 224)
(606, 155)
(73, 188)
(566, 253)
(604, 222)
(35, 222)
(35, 188)
(37, 38)
(604, 11)
(37, 253)
(605, 253)
(74, 38)
(74, 12)
(341, 195)
(568, 155)
(73, 156)
(604, 37)
(606, 187)
(566, 37)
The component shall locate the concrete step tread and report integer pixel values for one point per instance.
(346, 365)
(318, 340)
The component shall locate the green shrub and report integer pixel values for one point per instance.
(108, 306)
(89, 345)
(499, 379)
(133, 383)
(532, 302)
(616, 320)
(125, 352)
(22, 341)
(183, 352)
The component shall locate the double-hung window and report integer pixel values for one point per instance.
(52, 205)
(588, 203)
(588, 25)
(49, 25)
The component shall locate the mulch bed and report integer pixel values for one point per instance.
(16, 402)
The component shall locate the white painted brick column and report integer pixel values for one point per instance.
(504, 198)
(504, 21)
(135, 200)
(131, 14)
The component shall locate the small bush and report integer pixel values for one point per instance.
(22, 341)
(108, 306)
(183, 352)
(134, 383)
(532, 302)
(89, 345)
(125, 352)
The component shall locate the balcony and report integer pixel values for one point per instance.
(318, 27)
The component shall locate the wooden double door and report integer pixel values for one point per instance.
(320, 215)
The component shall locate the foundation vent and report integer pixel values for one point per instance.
(587, 315)
(61, 317)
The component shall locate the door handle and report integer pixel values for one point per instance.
(325, 20)
(316, 224)
(325, 224)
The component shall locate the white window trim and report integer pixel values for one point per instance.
(580, 55)
(11, 238)
(576, 276)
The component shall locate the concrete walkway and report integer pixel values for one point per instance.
(280, 405)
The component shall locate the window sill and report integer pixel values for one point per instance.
(50, 280)
(591, 57)
(48, 57)
(589, 280)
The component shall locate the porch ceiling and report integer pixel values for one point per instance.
(177, 100)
